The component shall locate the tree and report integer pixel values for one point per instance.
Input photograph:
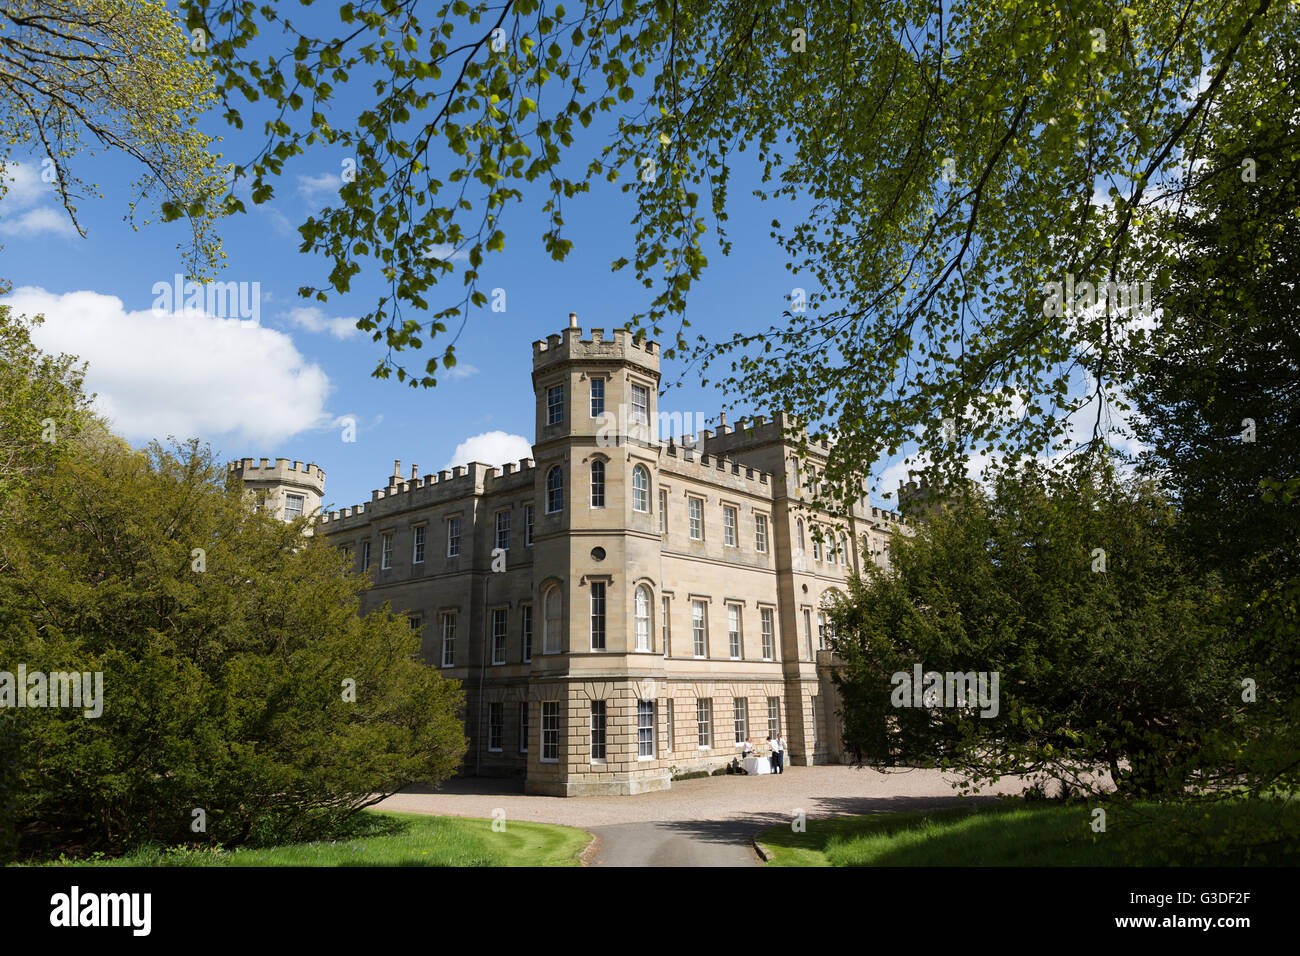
(950, 156)
(1109, 656)
(241, 687)
(82, 75)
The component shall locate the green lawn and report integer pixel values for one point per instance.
(1020, 834)
(393, 839)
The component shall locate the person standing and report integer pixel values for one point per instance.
(780, 739)
(778, 753)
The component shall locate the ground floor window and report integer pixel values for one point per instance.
(597, 730)
(668, 727)
(496, 725)
(740, 711)
(645, 728)
(704, 722)
(774, 716)
(523, 726)
(551, 730)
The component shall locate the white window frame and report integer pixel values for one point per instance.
(599, 615)
(386, 552)
(453, 537)
(496, 728)
(597, 385)
(700, 628)
(555, 488)
(502, 537)
(640, 410)
(767, 622)
(448, 638)
(663, 511)
(645, 730)
(599, 723)
(530, 516)
(740, 718)
(735, 636)
(704, 723)
(289, 512)
(552, 416)
(550, 731)
(729, 519)
(644, 618)
(417, 544)
(500, 634)
(774, 716)
(760, 534)
(598, 483)
(695, 517)
(665, 625)
(641, 492)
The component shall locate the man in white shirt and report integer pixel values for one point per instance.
(778, 754)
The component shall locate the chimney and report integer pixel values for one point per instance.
(397, 468)
(573, 320)
(723, 419)
(415, 471)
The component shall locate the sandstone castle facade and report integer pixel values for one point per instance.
(620, 606)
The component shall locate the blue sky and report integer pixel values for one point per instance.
(280, 387)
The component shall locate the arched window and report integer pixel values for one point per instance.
(640, 488)
(799, 528)
(551, 641)
(554, 490)
(598, 484)
(817, 546)
(643, 618)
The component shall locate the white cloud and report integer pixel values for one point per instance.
(182, 373)
(462, 371)
(491, 448)
(312, 319)
(316, 188)
(445, 252)
(26, 193)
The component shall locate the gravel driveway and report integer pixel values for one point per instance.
(704, 822)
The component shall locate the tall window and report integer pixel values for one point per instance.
(526, 627)
(699, 628)
(365, 555)
(665, 617)
(551, 622)
(597, 615)
(293, 506)
(740, 713)
(555, 405)
(760, 533)
(529, 515)
(704, 723)
(554, 490)
(640, 405)
(769, 633)
(813, 702)
(844, 549)
(668, 727)
(448, 640)
(807, 631)
(640, 489)
(386, 552)
(821, 630)
(729, 526)
(642, 618)
(663, 511)
(645, 729)
(523, 726)
(817, 546)
(453, 537)
(598, 484)
(416, 623)
(498, 635)
(597, 731)
(733, 631)
(503, 530)
(550, 731)
(798, 527)
(830, 547)
(496, 726)
(696, 514)
(597, 397)
(774, 716)
(417, 545)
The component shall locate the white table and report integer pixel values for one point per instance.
(757, 765)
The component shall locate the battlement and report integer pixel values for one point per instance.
(282, 472)
(462, 481)
(691, 459)
(621, 345)
(757, 431)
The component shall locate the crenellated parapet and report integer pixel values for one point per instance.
(283, 471)
(619, 345)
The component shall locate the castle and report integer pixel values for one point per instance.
(620, 607)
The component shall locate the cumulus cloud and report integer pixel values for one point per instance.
(316, 188)
(29, 207)
(312, 319)
(491, 448)
(461, 371)
(181, 373)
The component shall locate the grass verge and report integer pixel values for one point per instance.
(1034, 834)
(387, 839)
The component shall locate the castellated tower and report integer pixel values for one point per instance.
(286, 489)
